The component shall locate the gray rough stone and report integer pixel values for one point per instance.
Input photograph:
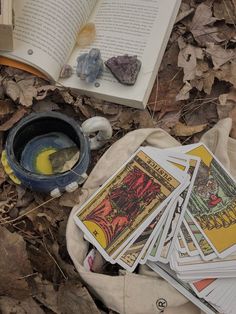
(66, 71)
(125, 68)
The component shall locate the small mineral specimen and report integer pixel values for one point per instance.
(66, 71)
(64, 157)
(90, 66)
(86, 35)
(125, 68)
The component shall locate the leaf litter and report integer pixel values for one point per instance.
(195, 87)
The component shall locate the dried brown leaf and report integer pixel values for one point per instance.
(226, 33)
(184, 92)
(68, 99)
(14, 265)
(170, 81)
(46, 294)
(143, 119)
(111, 109)
(229, 98)
(23, 91)
(200, 112)
(8, 197)
(2, 175)
(225, 9)
(201, 27)
(197, 83)
(83, 108)
(12, 89)
(15, 72)
(227, 103)
(64, 159)
(43, 218)
(27, 92)
(205, 78)
(220, 55)
(25, 197)
(68, 269)
(129, 118)
(187, 60)
(165, 100)
(19, 114)
(181, 129)
(203, 16)
(6, 107)
(43, 91)
(227, 73)
(105, 108)
(44, 106)
(13, 306)
(74, 299)
(169, 121)
(124, 120)
(70, 199)
(42, 262)
(69, 164)
(184, 11)
(202, 68)
(208, 81)
(2, 95)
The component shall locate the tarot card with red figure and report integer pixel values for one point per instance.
(128, 202)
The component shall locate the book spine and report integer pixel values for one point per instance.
(6, 25)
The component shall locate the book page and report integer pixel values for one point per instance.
(140, 27)
(45, 31)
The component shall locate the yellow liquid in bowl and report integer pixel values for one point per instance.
(43, 164)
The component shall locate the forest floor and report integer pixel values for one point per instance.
(196, 87)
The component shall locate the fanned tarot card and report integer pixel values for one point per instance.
(213, 202)
(128, 202)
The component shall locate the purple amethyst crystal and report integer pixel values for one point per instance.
(124, 68)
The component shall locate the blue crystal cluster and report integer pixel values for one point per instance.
(90, 66)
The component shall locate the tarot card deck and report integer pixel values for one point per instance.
(175, 210)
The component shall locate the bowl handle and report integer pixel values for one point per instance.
(100, 125)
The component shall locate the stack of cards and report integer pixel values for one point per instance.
(210, 295)
(173, 207)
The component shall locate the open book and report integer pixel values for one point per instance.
(46, 31)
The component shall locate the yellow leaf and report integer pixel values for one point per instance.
(181, 129)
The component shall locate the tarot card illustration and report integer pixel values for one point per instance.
(190, 243)
(213, 202)
(179, 211)
(132, 254)
(204, 247)
(116, 212)
(181, 242)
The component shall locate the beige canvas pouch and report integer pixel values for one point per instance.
(139, 293)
